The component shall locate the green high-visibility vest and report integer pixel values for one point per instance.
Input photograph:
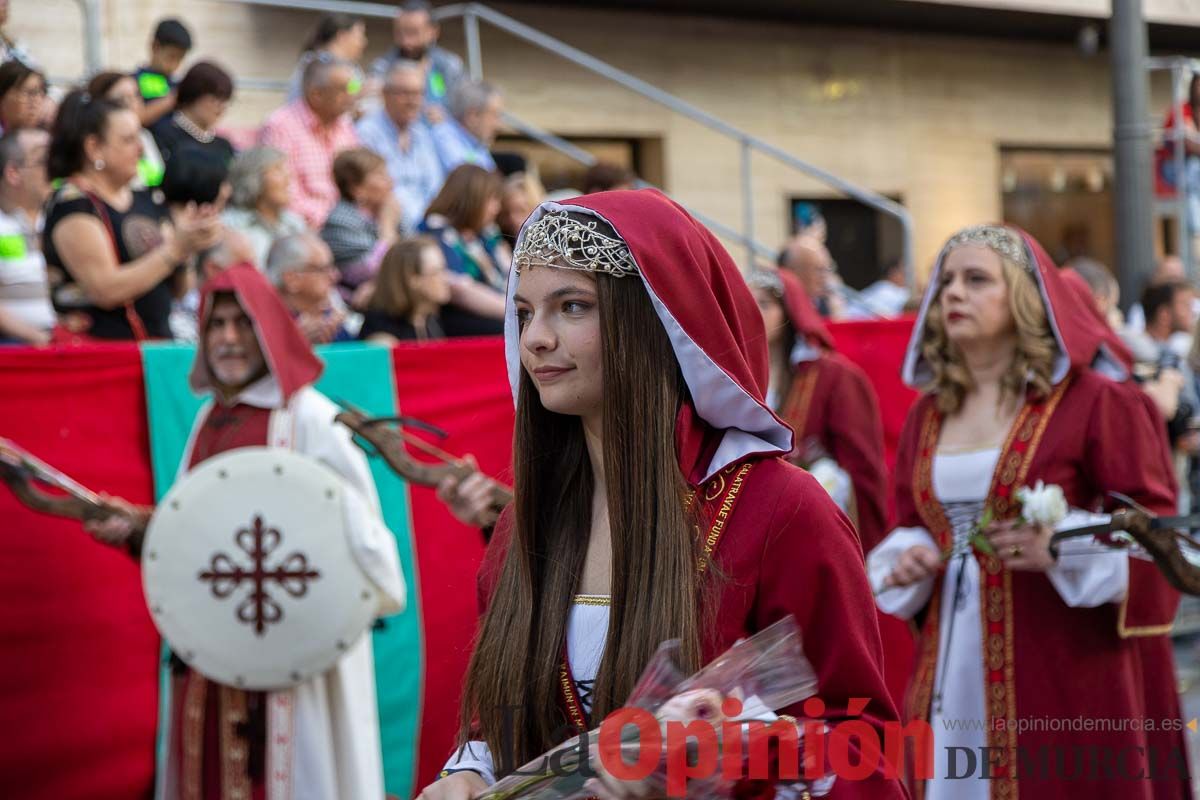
(12, 246)
(153, 86)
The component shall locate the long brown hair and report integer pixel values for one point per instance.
(400, 264)
(463, 197)
(657, 593)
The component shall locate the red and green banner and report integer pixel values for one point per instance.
(80, 676)
(79, 679)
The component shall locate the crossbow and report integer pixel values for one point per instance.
(23, 472)
(1165, 540)
(388, 437)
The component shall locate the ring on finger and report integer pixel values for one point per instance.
(1015, 551)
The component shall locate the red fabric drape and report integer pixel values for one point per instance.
(462, 388)
(79, 680)
(878, 347)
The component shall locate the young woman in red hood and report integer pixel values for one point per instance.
(652, 501)
(826, 398)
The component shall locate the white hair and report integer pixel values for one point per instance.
(288, 254)
(405, 65)
(470, 96)
(246, 174)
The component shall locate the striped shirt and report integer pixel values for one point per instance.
(24, 291)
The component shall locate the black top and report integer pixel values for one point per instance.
(170, 138)
(449, 322)
(138, 232)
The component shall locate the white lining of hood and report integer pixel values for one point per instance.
(803, 351)
(717, 397)
(916, 372)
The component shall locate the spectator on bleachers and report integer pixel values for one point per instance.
(810, 261)
(414, 36)
(26, 313)
(1169, 269)
(232, 248)
(1186, 115)
(466, 138)
(262, 191)
(201, 99)
(1103, 286)
(200, 178)
(121, 89)
(605, 176)
(156, 80)
(301, 267)
(310, 132)
(462, 219)
(337, 37)
(396, 132)
(123, 262)
(366, 220)
(22, 96)
(885, 297)
(520, 196)
(410, 291)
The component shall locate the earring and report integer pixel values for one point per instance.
(98, 164)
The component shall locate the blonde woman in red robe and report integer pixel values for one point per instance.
(1029, 669)
(652, 501)
(826, 398)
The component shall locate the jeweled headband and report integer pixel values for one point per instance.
(560, 241)
(765, 279)
(1008, 244)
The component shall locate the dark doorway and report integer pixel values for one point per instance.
(860, 239)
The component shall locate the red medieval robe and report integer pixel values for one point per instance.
(1044, 660)
(783, 548)
(832, 400)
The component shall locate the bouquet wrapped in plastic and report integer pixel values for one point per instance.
(697, 736)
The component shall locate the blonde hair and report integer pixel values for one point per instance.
(1033, 362)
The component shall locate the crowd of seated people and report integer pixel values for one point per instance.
(370, 197)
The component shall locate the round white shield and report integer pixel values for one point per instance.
(248, 572)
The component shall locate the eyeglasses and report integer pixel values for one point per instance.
(327, 267)
(30, 94)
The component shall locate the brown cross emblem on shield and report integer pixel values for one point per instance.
(291, 574)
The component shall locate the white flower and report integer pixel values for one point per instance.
(1043, 505)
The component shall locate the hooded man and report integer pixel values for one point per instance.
(319, 739)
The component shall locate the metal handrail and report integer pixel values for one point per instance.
(93, 58)
(587, 159)
(1175, 137)
(471, 13)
